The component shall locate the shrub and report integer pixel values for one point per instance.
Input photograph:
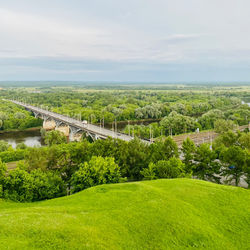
(97, 171)
(54, 137)
(173, 168)
(22, 186)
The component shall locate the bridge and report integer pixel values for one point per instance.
(75, 128)
(72, 127)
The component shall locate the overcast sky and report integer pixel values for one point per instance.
(132, 40)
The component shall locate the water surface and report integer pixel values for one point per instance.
(29, 138)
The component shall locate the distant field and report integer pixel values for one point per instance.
(162, 214)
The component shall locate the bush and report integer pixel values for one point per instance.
(22, 186)
(21, 146)
(13, 155)
(46, 185)
(97, 171)
(4, 146)
(221, 126)
(18, 186)
(173, 168)
(54, 137)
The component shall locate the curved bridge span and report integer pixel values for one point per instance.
(74, 125)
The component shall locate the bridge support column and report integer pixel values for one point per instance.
(49, 124)
(63, 129)
(75, 134)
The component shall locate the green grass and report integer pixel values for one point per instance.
(161, 214)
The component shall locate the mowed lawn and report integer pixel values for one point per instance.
(161, 214)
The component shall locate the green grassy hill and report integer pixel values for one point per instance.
(161, 214)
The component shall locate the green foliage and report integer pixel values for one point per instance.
(206, 165)
(137, 159)
(46, 185)
(188, 150)
(21, 146)
(97, 171)
(173, 168)
(15, 117)
(18, 186)
(4, 146)
(149, 173)
(163, 149)
(221, 126)
(36, 158)
(208, 119)
(178, 123)
(235, 162)
(12, 155)
(54, 137)
(3, 170)
(22, 186)
(231, 138)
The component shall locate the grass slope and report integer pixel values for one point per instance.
(161, 214)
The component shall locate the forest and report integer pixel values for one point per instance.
(62, 168)
(169, 112)
(65, 168)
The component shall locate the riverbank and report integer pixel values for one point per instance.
(20, 130)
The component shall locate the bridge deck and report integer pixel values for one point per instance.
(199, 138)
(93, 129)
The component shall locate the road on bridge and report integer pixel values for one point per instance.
(92, 129)
(198, 138)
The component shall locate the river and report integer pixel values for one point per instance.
(31, 138)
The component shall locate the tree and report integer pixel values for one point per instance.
(164, 149)
(149, 173)
(188, 150)
(3, 170)
(226, 139)
(54, 137)
(178, 123)
(36, 158)
(59, 159)
(21, 146)
(247, 168)
(18, 186)
(19, 115)
(97, 171)
(208, 119)
(4, 146)
(234, 160)
(137, 159)
(221, 126)
(46, 185)
(244, 140)
(173, 168)
(206, 164)
(43, 132)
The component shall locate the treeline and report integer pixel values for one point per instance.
(176, 123)
(61, 169)
(14, 117)
(125, 105)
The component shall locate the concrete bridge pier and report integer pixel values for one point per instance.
(64, 129)
(75, 134)
(48, 124)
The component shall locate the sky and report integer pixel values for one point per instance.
(132, 40)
